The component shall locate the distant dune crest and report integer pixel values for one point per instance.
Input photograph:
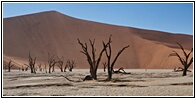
(55, 33)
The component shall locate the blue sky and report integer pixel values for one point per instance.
(168, 17)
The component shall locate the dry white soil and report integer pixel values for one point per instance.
(140, 82)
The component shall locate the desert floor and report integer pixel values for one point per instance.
(140, 82)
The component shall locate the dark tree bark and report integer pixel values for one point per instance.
(70, 65)
(121, 70)
(66, 65)
(108, 54)
(31, 64)
(185, 62)
(104, 66)
(53, 68)
(93, 63)
(60, 63)
(51, 62)
(9, 65)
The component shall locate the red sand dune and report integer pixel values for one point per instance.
(55, 33)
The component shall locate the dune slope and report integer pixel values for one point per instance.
(56, 33)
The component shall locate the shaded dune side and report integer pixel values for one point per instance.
(6, 61)
(165, 38)
(152, 55)
(55, 33)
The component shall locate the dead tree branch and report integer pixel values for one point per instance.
(183, 61)
(108, 55)
(104, 65)
(60, 63)
(31, 64)
(51, 62)
(93, 62)
(70, 65)
(9, 65)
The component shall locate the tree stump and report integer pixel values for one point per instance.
(88, 77)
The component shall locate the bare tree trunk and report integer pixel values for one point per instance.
(104, 66)
(34, 69)
(31, 63)
(61, 69)
(109, 73)
(65, 68)
(70, 65)
(52, 68)
(51, 62)
(93, 63)
(9, 65)
(93, 73)
(185, 71)
(49, 69)
(183, 61)
(9, 69)
(108, 54)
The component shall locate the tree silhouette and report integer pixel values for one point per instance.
(185, 62)
(9, 65)
(104, 65)
(108, 54)
(51, 62)
(60, 63)
(31, 64)
(70, 65)
(94, 63)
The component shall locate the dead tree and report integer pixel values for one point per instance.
(104, 65)
(121, 70)
(108, 54)
(185, 62)
(53, 68)
(60, 63)
(51, 62)
(31, 64)
(70, 65)
(66, 65)
(94, 63)
(9, 65)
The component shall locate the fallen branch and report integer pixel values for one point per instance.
(180, 69)
(70, 79)
(120, 70)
